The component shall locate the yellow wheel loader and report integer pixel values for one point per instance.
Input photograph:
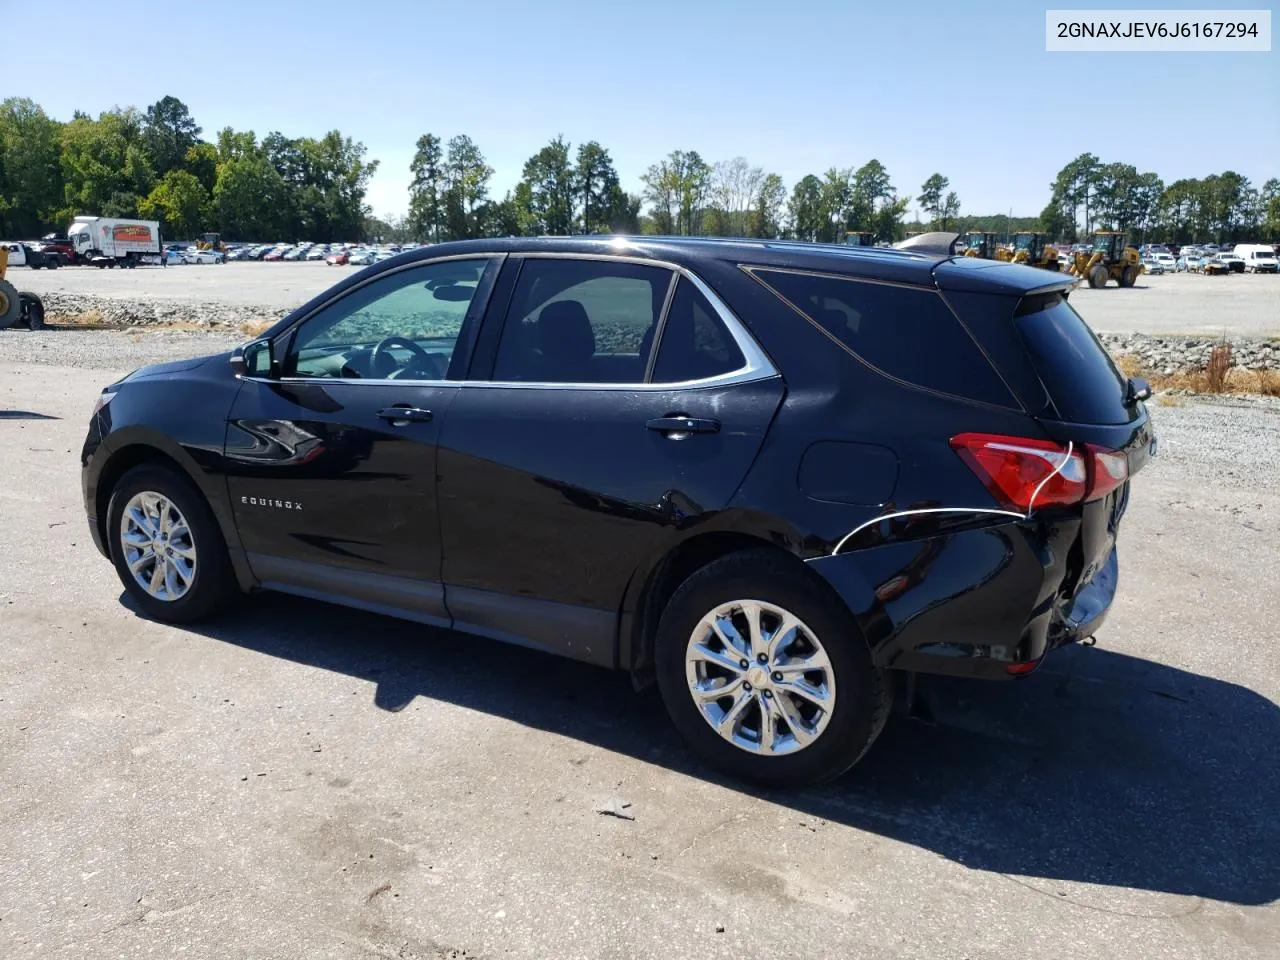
(984, 245)
(859, 238)
(211, 241)
(1035, 250)
(1109, 258)
(21, 308)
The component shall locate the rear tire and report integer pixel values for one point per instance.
(208, 586)
(1128, 276)
(858, 692)
(32, 310)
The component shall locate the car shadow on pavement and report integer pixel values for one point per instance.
(1100, 768)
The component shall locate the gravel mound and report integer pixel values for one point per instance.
(1171, 354)
(86, 309)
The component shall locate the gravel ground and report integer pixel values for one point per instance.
(1238, 305)
(111, 349)
(299, 780)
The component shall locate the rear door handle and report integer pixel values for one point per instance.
(405, 414)
(682, 424)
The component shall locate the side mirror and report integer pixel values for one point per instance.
(252, 359)
(1139, 390)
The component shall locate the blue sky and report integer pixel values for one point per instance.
(966, 89)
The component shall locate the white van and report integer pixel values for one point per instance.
(1257, 257)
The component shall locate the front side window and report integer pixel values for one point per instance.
(581, 321)
(402, 326)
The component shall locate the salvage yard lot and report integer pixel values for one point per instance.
(297, 780)
(1242, 304)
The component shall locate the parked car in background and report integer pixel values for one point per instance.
(337, 259)
(1213, 265)
(204, 256)
(1256, 257)
(318, 252)
(1234, 263)
(297, 253)
(1152, 265)
(173, 257)
(1166, 260)
(583, 447)
(25, 255)
(274, 254)
(360, 258)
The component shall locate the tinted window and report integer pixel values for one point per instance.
(404, 325)
(1085, 385)
(581, 321)
(908, 334)
(695, 342)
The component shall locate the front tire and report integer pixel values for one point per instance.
(808, 703)
(167, 548)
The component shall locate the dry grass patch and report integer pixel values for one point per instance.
(255, 328)
(1217, 376)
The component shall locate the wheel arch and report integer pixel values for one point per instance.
(653, 585)
(138, 451)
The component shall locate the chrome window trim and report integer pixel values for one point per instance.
(756, 366)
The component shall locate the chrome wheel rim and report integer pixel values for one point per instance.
(760, 677)
(158, 546)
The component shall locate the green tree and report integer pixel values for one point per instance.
(950, 210)
(426, 191)
(1269, 200)
(202, 162)
(931, 196)
(552, 188)
(677, 188)
(103, 163)
(598, 186)
(806, 209)
(168, 132)
(30, 172)
(768, 209)
(466, 188)
(180, 202)
(250, 199)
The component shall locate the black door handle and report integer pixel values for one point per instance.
(682, 424)
(405, 414)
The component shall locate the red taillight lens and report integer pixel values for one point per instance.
(1024, 473)
(1109, 469)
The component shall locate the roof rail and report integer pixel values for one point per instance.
(939, 242)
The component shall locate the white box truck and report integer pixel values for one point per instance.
(106, 241)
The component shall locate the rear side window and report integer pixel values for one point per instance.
(1084, 384)
(581, 321)
(695, 343)
(907, 333)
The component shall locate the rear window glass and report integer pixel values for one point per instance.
(1085, 385)
(909, 334)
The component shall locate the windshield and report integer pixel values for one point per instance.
(1023, 241)
(1101, 244)
(1264, 255)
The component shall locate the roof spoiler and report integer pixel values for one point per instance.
(941, 243)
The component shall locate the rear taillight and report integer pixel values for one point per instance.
(1023, 473)
(1107, 471)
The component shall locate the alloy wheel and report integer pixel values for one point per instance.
(760, 677)
(158, 546)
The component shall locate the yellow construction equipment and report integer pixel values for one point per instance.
(17, 306)
(859, 238)
(211, 241)
(1035, 250)
(1109, 258)
(985, 245)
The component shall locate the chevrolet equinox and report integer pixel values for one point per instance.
(777, 478)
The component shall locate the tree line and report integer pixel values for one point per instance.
(1088, 195)
(155, 164)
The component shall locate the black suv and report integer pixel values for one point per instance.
(775, 477)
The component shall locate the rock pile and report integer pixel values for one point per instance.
(77, 308)
(1170, 354)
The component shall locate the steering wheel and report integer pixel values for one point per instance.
(385, 366)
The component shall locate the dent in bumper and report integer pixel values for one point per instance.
(969, 603)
